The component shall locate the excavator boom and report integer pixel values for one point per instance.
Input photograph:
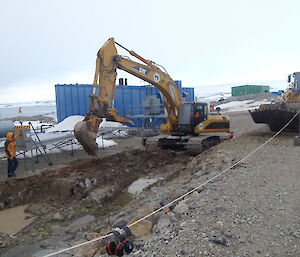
(103, 96)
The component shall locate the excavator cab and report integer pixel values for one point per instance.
(191, 114)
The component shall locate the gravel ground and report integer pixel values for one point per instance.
(251, 210)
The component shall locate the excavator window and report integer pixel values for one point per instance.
(200, 114)
(191, 114)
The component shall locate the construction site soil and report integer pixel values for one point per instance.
(252, 210)
(74, 181)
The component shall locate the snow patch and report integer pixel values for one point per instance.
(52, 149)
(245, 105)
(67, 124)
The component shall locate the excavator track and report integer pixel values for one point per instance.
(199, 144)
(192, 145)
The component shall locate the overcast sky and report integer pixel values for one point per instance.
(44, 42)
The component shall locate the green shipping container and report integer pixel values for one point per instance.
(249, 89)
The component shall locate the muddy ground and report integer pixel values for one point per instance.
(75, 181)
(252, 210)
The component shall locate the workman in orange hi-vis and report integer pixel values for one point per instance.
(10, 152)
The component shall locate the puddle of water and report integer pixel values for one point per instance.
(122, 199)
(125, 197)
(14, 219)
(140, 184)
(119, 201)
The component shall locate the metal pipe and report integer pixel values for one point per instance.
(133, 53)
(122, 47)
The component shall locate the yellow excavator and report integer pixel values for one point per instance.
(277, 115)
(183, 118)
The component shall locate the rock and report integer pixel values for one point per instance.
(165, 200)
(97, 195)
(219, 240)
(167, 239)
(150, 165)
(163, 222)
(228, 234)
(58, 217)
(181, 208)
(88, 183)
(120, 223)
(220, 223)
(122, 218)
(295, 234)
(3, 245)
(79, 223)
(142, 228)
(45, 244)
(55, 229)
(195, 194)
(175, 194)
(71, 213)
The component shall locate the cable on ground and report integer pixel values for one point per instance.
(179, 198)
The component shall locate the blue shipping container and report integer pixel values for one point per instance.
(74, 100)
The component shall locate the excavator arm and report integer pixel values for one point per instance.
(104, 86)
(171, 95)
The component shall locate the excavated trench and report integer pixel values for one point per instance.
(76, 181)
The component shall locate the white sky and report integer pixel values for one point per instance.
(44, 42)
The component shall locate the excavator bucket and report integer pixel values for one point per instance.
(86, 134)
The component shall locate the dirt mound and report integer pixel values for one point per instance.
(77, 180)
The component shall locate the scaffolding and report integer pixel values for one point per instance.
(26, 144)
(32, 144)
